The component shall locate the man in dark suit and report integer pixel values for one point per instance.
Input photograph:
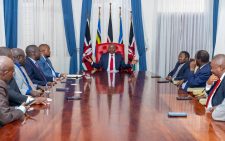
(32, 67)
(215, 88)
(7, 113)
(46, 65)
(181, 69)
(111, 61)
(198, 78)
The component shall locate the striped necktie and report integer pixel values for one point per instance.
(211, 94)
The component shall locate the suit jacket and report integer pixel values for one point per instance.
(219, 94)
(183, 72)
(36, 75)
(15, 97)
(21, 82)
(219, 112)
(119, 63)
(199, 78)
(7, 113)
(44, 65)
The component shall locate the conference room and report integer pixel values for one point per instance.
(115, 70)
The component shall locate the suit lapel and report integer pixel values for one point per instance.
(37, 70)
(107, 61)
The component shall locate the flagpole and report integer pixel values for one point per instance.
(99, 13)
(131, 16)
(120, 11)
(110, 8)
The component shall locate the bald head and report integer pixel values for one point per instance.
(219, 60)
(4, 51)
(45, 50)
(32, 51)
(18, 56)
(6, 68)
(218, 65)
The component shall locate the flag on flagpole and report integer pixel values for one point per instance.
(87, 49)
(131, 47)
(110, 30)
(121, 30)
(98, 37)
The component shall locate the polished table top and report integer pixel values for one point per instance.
(119, 107)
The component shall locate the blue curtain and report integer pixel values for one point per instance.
(70, 34)
(85, 14)
(139, 33)
(215, 18)
(10, 19)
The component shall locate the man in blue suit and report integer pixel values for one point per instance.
(198, 78)
(111, 61)
(32, 67)
(181, 69)
(46, 65)
(215, 88)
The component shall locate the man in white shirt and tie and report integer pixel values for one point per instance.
(215, 88)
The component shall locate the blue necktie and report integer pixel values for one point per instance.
(50, 65)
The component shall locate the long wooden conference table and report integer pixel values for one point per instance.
(121, 107)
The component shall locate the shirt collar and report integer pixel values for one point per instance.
(221, 78)
(112, 54)
(32, 60)
(203, 66)
(43, 57)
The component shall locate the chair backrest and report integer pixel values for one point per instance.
(103, 48)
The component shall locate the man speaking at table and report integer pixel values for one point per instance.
(111, 61)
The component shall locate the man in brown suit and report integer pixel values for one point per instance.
(7, 113)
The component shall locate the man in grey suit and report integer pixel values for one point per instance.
(7, 113)
(22, 79)
(216, 88)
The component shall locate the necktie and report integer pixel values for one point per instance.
(212, 92)
(24, 76)
(51, 67)
(111, 63)
(41, 73)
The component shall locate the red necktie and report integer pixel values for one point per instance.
(212, 92)
(111, 63)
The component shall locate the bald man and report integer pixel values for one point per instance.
(215, 88)
(32, 67)
(46, 65)
(23, 81)
(7, 113)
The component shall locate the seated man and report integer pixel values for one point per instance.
(15, 97)
(21, 77)
(181, 69)
(215, 88)
(7, 113)
(111, 61)
(198, 78)
(46, 65)
(32, 67)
